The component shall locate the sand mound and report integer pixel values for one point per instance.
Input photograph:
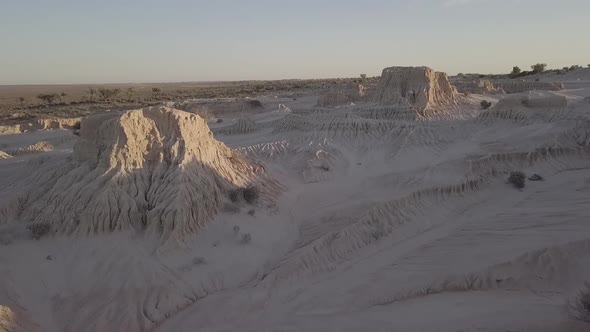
(157, 169)
(418, 87)
(524, 86)
(480, 86)
(352, 93)
(242, 126)
(40, 124)
(33, 148)
(525, 106)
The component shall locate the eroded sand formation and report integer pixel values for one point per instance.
(156, 169)
(480, 86)
(353, 93)
(40, 124)
(525, 106)
(244, 125)
(518, 86)
(33, 148)
(418, 87)
(390, 211)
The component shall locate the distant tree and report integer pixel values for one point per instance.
(21, 101)
(108, 94)
(91, 93)
(61, 97)
(156, 92)
(574, 67)
(363, 77)
(589, 65)
(461, 75)
(539, 68)
(130, 92)
(516, 70)
(48, 98)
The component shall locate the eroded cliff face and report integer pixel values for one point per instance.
(156, 169)
(420, 88)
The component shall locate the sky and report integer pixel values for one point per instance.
(116, 41)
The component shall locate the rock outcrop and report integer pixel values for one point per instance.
(480, 86)
(542, 106)
(352, 93)
(519, 86)
(157, 169)
(40, 124)
(33, 148)
(420, 88)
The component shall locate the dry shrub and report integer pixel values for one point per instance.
(251, 194)
(234, 195)
(517, 179)
(38, 230)
(246, 238)
(254, 103)
(485, 104)
(579, 307)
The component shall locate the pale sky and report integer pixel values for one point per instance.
(111, 41)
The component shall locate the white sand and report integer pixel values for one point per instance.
(390, 221)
